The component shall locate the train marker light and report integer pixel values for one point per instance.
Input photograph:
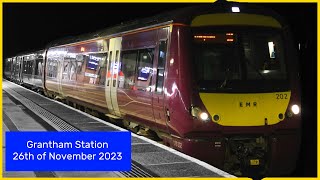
(295, 109)
(235, 9)
(195, 111)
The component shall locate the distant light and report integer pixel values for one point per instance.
(82, 49)
(235, 9)
(230, 40)
(266, 71)
(229, 34)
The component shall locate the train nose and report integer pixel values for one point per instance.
(257, 109)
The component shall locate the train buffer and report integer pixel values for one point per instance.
(25, 110)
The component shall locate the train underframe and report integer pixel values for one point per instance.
(245, 154)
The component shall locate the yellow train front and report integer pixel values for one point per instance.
(232, 90)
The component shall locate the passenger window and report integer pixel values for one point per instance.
(38, 67)
(79, 62)
(102, 69)
(116, 70)
(128, 68)
(30, 67)
(109, 68)
(145, 70)
(161, 66)
(95, 72)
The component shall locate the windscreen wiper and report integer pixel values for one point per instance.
(224, 83)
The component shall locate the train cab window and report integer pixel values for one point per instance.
(264, 53)
(161, 66)
(145, 70)
(128, 68)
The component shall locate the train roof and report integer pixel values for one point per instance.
(183, 15)
(36, 53)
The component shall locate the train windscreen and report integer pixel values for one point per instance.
(240, 61)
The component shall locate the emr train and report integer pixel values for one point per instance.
(218, 82)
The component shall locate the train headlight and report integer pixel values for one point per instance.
(204, 116)
(196, 112)
(295, 109)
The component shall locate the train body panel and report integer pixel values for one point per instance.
(217, 85)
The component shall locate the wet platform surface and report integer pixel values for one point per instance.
(25, 110)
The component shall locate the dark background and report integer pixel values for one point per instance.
(31, 26)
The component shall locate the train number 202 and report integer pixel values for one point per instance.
(282, 96)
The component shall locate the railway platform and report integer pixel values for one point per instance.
(25, 110)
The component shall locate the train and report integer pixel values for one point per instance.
(219, 82)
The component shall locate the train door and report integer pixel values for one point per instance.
(59, 72)
(23, 68)
(113, 74)
(158, 93)
(20, 64)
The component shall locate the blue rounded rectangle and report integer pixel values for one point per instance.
(68, 151)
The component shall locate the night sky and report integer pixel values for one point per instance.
(32, 26)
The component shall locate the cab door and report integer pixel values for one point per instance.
(159, 110)
(113, 76)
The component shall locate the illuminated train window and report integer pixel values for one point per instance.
(136, 66)
(145, 66)
(128, 67)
